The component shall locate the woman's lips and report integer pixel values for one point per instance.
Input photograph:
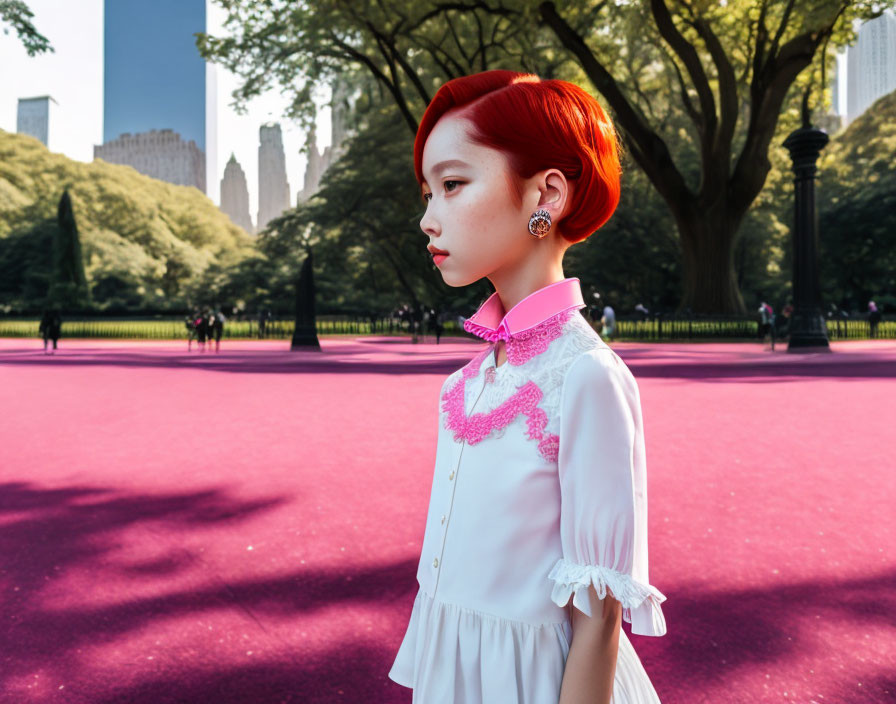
(439, 258)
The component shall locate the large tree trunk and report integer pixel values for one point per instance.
(710, 283)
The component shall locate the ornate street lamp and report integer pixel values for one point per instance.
(808, 331)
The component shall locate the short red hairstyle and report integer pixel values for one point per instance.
(538, 125)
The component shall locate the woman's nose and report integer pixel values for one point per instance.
(428, 224)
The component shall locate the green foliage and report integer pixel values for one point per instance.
(17, 15)
(145, 242)
(634, 257)
(857, 210)
(26, 264)
(68, 286)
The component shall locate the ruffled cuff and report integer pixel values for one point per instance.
(640, 602)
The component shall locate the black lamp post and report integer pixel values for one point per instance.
(808, 331)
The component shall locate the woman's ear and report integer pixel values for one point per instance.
(555, 192)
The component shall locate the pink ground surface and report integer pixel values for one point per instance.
(245, 527)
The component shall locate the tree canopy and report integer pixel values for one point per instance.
(699, 89)
(857, 210)
(145, 242)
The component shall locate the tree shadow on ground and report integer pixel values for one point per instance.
(712, 633)
(856, 367)
(46, 533)
(352, 673)
(337, 362)
(354, 359)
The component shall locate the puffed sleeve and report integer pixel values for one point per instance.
(603, 493)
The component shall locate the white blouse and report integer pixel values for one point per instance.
(539, 491)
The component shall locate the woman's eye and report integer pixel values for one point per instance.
(448, 187)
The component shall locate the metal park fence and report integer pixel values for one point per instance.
(671, 328)
(659, 329)
(175, 329)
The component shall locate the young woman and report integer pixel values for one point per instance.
(535, 544)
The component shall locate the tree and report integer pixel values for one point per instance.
(150, 238)
(16, 14)
(857, 210)
(698, 88)
(733, 92)
(69, 283)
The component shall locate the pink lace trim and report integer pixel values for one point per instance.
(477, 427)
(486, 333)
(525, 345)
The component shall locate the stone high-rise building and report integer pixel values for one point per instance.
(338, 117)
(235, 195)
(319, 162)
(315, 167)
(154, 78)
(33, 117)
(161, 154)
(273, 188)
(871, 64)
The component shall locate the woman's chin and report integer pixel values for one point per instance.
(455, 280)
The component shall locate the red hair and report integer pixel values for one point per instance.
(538, 125)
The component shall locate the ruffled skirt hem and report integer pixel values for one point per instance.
(452, 654)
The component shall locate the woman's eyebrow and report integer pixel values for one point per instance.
(448, 164)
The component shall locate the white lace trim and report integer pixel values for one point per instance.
(573, 579)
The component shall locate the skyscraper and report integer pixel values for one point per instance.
(154, 77)
(319, 162)
(34, 116)
(161, 154)
(235, 195)
(871, 64)
(273, 188)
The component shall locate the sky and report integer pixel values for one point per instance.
(73, 76)
(147, 88)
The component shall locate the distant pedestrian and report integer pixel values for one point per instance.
(50, 328)
(218, 328)
(873, 318)
(787, 312)
(642, 311)
(190, 325)
(767, 323)
(608, 321)
(438, 326)
(202, 330)
(262, 323)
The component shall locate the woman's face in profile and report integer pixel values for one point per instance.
(470, 209)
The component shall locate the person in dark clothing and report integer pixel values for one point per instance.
(439, 326)
(50, 328)
(190, 324)
(202, 330)
(218, 328)
(873, 318)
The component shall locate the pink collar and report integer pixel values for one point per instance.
(492, 324)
